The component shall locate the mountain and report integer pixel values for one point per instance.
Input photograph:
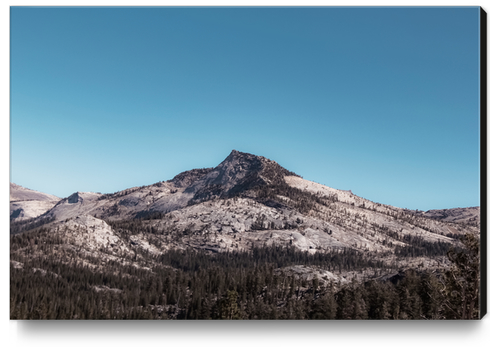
(26, 203)
(467, 215)
(258, 199)
(248, 208)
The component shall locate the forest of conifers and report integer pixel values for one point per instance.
(193, 284)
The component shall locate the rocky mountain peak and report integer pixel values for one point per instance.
(237, 156)
(80, 197)
(74, 198)
(249, 164)
(236, 166)
(237, 173)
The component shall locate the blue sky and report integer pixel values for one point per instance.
(381, 101)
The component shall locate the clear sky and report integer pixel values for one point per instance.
(381, 101)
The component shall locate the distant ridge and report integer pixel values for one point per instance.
(27, 203)
(19, 193)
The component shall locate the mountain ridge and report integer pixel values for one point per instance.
(247, 210)
(26, 203)
(254, 180)
(238, 175)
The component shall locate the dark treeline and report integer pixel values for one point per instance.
(276, 256)
(196, 285)
(300, 200)
(416, 246)
(17, 227)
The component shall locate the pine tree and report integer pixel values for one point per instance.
(228, 306)
(462, 281)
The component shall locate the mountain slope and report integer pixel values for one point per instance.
(467, 215)
(19, 193)
(238, 173)
(26, 203)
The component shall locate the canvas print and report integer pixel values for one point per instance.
(246, 163)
